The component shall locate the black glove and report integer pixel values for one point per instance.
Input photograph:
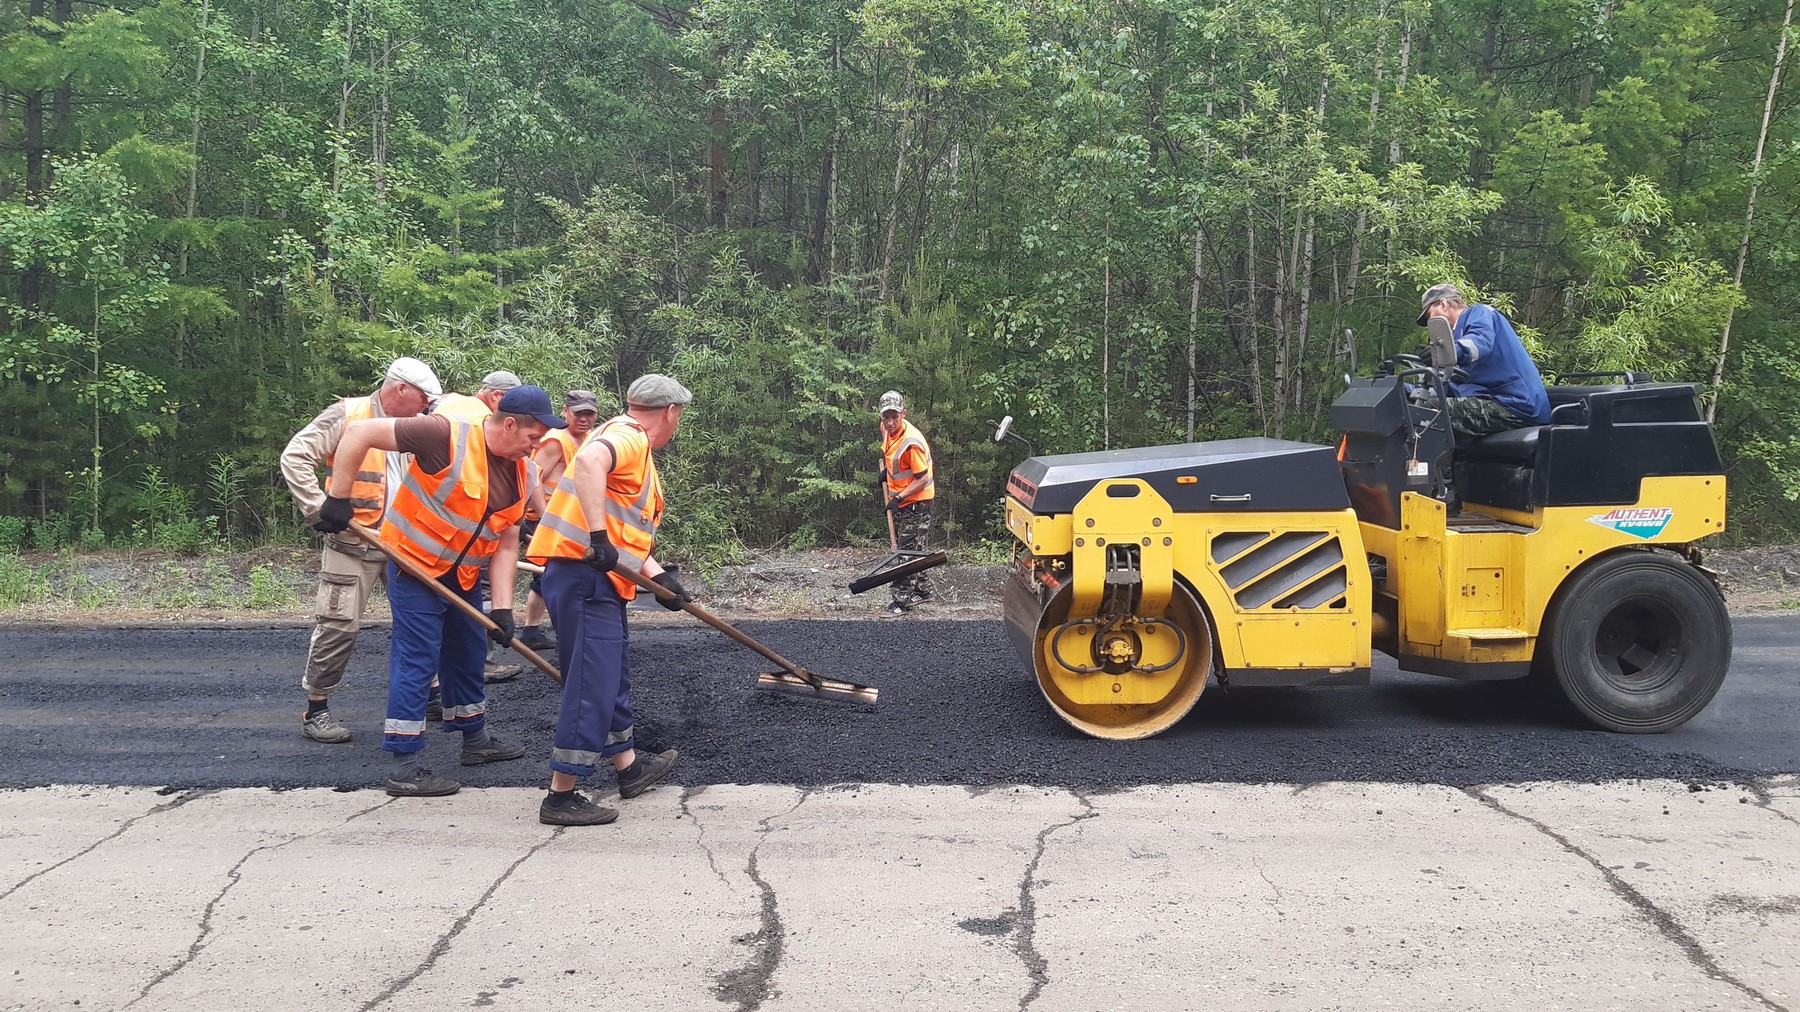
(601, 554)
(334, 516)
(527, 527)
(667, 581)
(892, 505)
(501, 617)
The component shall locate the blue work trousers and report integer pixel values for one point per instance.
(432, 637)
(591, 646)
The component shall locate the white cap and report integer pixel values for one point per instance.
(891, 401)
(411, 370)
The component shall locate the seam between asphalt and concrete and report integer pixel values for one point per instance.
(877, 896)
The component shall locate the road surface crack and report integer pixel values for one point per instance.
(115, 834)
(444, 942)
(232, 876)
(1664, 922)
(751, 985)
(1025, 938)
(700, 839)
(1766, 801)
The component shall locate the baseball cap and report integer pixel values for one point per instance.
(411, 370)
(581, 400)
(533, 401)
(891, 401)
(500, 380)
(654, 390)
(1434, 295)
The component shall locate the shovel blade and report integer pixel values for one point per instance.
(817, 687)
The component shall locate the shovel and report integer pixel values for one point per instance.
(792, 678)
(418, 573)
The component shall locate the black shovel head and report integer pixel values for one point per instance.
(894, 566)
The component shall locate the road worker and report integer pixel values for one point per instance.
(908, 488)
(1503, 389)
(580, 409)
(455, 512)
(349, 567)
(485, 402)
(605, 512)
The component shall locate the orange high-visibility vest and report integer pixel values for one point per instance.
(634, 506)
(569, 444)
(436, 518)
(462, 408)
(368, 493)
(897, 454)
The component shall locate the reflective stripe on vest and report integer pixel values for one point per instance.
(437, 518)
(631, 523)
(894, 452)
(368, 493)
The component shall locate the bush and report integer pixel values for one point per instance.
(267, 591)
(12, 534)
(21, 582)
(185, 536)
(50, 533)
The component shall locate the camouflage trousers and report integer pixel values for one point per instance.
(1474, 417)
(912, 526)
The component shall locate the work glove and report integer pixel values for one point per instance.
(601, 554)
(667, 581)
(892, 505)
(334, 516)
(527, 527)
(503, 618)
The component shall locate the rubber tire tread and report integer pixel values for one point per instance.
(1588, 597)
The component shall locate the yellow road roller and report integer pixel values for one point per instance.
(1139, 575)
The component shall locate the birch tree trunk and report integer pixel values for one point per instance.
(1737, 277)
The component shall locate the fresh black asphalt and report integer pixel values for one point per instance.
(221, 708)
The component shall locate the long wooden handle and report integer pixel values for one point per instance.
(418, 573)
(664, 593)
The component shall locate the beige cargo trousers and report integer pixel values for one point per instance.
(347, 576)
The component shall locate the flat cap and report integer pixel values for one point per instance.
(1434, 295)
(500, 380)
(411, 370)
(581, 400)
(654, 390)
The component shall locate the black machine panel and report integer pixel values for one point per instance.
(1228, 475)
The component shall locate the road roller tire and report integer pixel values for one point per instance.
(1185, 681)
(1639, 642)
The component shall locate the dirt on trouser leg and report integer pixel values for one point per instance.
(912, 526)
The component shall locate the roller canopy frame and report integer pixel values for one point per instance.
(893, 567)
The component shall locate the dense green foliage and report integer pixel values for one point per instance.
(1123, 221)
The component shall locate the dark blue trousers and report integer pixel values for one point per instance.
(432, 637)
(592, 649)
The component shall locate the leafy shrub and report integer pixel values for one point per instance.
(267, 590)
(21, 582)
(92, 540)
(184, 536)
(50, 533)
(12, 534)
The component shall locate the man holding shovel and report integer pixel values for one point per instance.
(349, 569)
(454, 513)
(908, 477)
(604, 512)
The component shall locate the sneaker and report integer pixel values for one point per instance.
(493, 672)
(434, 709)
(422, 783)
(322, 726)
(896, 608)
(914, 600)
(493, 752)
(646, 772)
(536, 638)
(577, 811)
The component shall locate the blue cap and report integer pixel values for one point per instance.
(533, 401)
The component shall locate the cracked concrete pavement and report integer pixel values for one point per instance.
(1617, 895)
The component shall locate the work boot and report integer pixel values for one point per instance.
(536, 638)
(494, 672)
(493, 750)
(895, 608)
(575, 810)
(322, 726)
(419, 782)
(645, 772)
